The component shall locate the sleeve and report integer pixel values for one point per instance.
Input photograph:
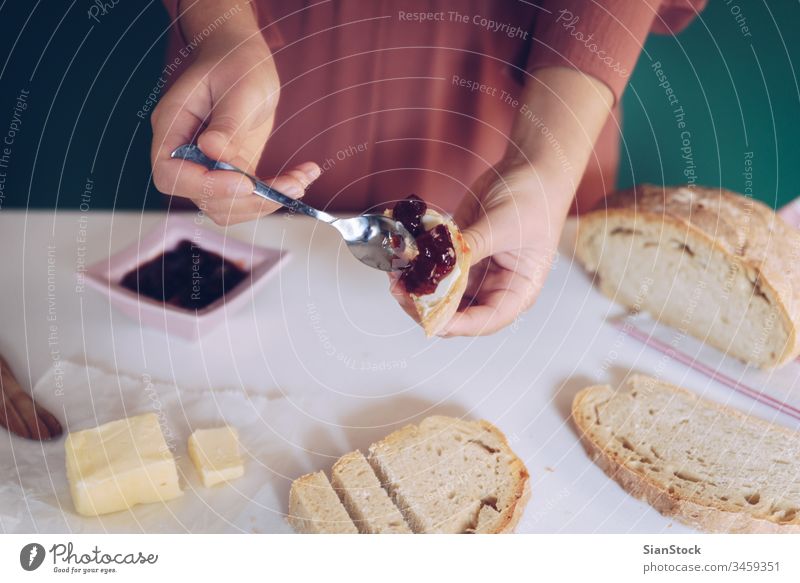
(603, 38)
(260, 10)
(171, 7)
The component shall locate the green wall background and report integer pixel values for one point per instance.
(739, 94)
(86, 79)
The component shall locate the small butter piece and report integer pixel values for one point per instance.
(215, 454)
(120, 464)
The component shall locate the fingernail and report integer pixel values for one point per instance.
(313, 173)
(293, 191)
(242, 189)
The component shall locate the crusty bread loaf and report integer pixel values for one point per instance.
(444, 475)
(363, 497)
(314, 507)
(710, 262)
(451, 476)
(709, 466)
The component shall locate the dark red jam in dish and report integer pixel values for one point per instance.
(437, 256)
(187, 277)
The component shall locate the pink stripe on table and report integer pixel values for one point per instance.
(692, 363)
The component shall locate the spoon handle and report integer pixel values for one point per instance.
(294, 205)
(192, 153)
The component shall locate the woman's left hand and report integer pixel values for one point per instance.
(513, 216)
(512, 221)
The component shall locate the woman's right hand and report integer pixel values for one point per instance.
(232, 89)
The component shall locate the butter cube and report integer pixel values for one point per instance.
(215, 454)
(120, 464)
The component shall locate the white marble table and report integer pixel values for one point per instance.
(326, 329)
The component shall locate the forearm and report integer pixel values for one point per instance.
(219, 23)
(560, 116)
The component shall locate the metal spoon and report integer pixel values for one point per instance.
(375, 240)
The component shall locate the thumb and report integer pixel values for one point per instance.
(237, 111)
(478, 238)
(498, 228)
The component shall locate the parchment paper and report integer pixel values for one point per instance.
(34, 493)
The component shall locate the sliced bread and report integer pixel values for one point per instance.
(444, 475)
(447, 475)
(363, 497)
(709, 466)
(710, 262)
(314, 507)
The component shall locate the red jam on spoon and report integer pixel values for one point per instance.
(437, 256)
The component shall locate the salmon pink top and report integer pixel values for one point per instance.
(418, 96)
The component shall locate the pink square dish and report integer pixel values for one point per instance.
(259, 262)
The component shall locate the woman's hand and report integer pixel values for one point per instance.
(228, 95)
(512, 221)
(513, 216)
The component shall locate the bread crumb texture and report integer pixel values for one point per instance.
(715, 264)
(444, 475)
(710, 466)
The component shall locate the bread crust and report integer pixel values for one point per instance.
(706, 517)
(744, 230)
(505, 522)
(510, 516)
(304, 524)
